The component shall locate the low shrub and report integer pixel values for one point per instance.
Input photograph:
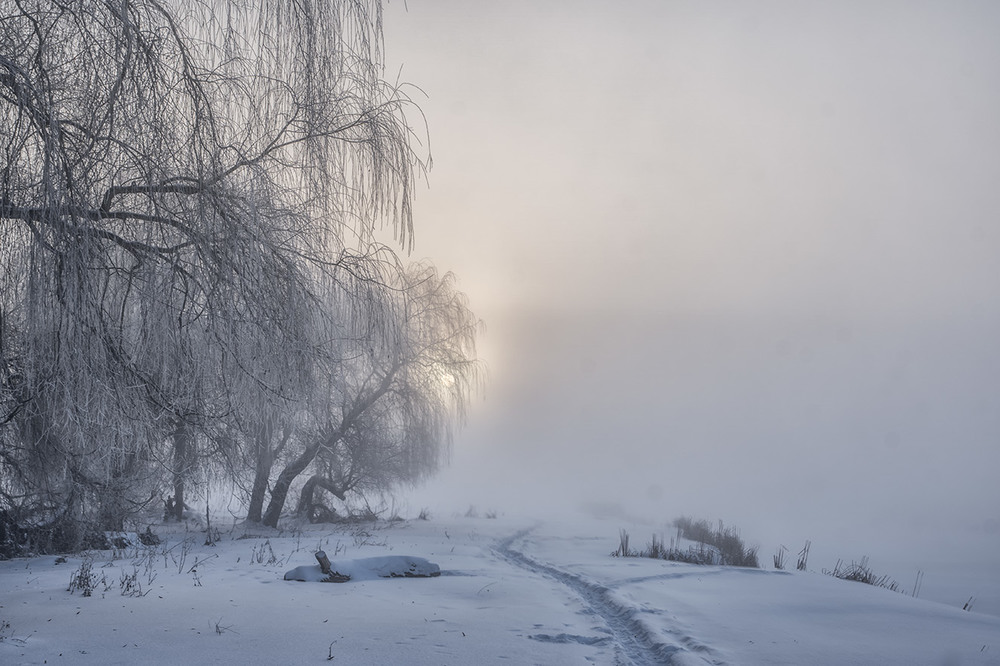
(779, 557)
(862, 573)
(85, 580)
(700, 553)
(24, 533)
(804, 556)
(623, 549)
(732, 551)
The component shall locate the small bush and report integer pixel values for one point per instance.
(779, 557)
(862, 573)
(732, 551)
(85, 579)
(130, 585)
(657, 549)
(722, 546)
(264, 554)
(147, 538)
(803, 556)
(623, 549)
(24, 533)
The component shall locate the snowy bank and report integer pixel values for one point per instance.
(510, 592)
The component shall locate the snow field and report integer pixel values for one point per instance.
(510, 592)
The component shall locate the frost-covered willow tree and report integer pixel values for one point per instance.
(385, 404)
(181, 182)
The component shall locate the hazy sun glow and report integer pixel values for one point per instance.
(736, 258)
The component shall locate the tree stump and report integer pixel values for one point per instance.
(324, 561)
(327, 568)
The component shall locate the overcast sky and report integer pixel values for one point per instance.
(738, 260)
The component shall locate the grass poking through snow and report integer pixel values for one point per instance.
(720, 546)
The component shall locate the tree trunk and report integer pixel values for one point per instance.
(279, 492)
(324, 562)
(111, 503)
(264, 462)
(112, 495)
(309, 490)
(183, 451)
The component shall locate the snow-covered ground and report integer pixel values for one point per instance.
(510, 592)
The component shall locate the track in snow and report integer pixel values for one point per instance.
(637, 643)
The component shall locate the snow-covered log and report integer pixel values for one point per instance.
(369, 568)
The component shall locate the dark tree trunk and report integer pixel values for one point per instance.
(183, 452)
(112, 496)
(309, 490)
(262, 473)
(111, 508)
(279, 492)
